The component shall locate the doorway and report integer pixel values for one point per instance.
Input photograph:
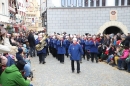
(112, 29)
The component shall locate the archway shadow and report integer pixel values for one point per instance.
(112, 29)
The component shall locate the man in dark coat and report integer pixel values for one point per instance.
(31, 41)
(18, 55)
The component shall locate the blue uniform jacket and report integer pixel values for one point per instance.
(94, 48)
(51, 42)
(75, 52)
(87, 45)
(67, 43)
(61, 48)
(55, 43)
(43, 50)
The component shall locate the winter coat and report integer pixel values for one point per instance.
(55, 43)
(75, 51)
(61, 48)
(67, 43)
(87, 45)
(10, 61)
(94, 48)
(112, 51)
(19, 57)
(31, 40)
(125, 54)
(12, 77)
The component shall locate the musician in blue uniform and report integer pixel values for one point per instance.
(67, 45)
(61, 49)
(75, 51)
(94, 49)
(87, 47)
(42, 53)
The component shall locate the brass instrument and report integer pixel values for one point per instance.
(42, 43)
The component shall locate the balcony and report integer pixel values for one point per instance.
(12, 9)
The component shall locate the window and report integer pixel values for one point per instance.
(103, 2)
(74, 3)
(69, 3)
(128, 2)
(91, 3)
(86, 3)
(116, 2)
(122, 2)
(80, 3)
(63, 3)
(97, 2)
(3, 9)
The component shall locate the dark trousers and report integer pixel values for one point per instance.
(50, 49)
(104, 57)
(84, 53)
(61, 57)
(54, 52)
(94, 55)
(32, 51)
(88, 55)
(47, 51)
(42, 57)
(67, 52)
(128, 66)
(78, 65)
(121, 63)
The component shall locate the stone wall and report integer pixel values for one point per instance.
(84, 20)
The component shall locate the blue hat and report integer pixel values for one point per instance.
(20, 50)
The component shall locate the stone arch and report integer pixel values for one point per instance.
(113, 23)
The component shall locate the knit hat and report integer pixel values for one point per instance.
(20, 64)
(20, 50)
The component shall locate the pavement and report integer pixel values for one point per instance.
(53, 73)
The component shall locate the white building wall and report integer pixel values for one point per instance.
(4, 13)
(83, 20)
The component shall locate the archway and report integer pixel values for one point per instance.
(112, 29)
(117, 24)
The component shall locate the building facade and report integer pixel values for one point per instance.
(4, 13)
(88, 16)
(33, 19)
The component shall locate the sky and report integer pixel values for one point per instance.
(54, 2)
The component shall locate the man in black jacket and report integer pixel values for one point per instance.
(31, 41)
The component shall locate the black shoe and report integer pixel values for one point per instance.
(43, 62)
(62, 62)
(96, 61)
(78, 71)
(72, 71)
(120, 68)
(87, 59)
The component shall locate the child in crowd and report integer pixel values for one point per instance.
(121, 61)
(111, 53)
(128, 63)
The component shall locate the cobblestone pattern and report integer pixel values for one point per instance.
(92, 74)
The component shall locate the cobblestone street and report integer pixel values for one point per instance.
(92, 74)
